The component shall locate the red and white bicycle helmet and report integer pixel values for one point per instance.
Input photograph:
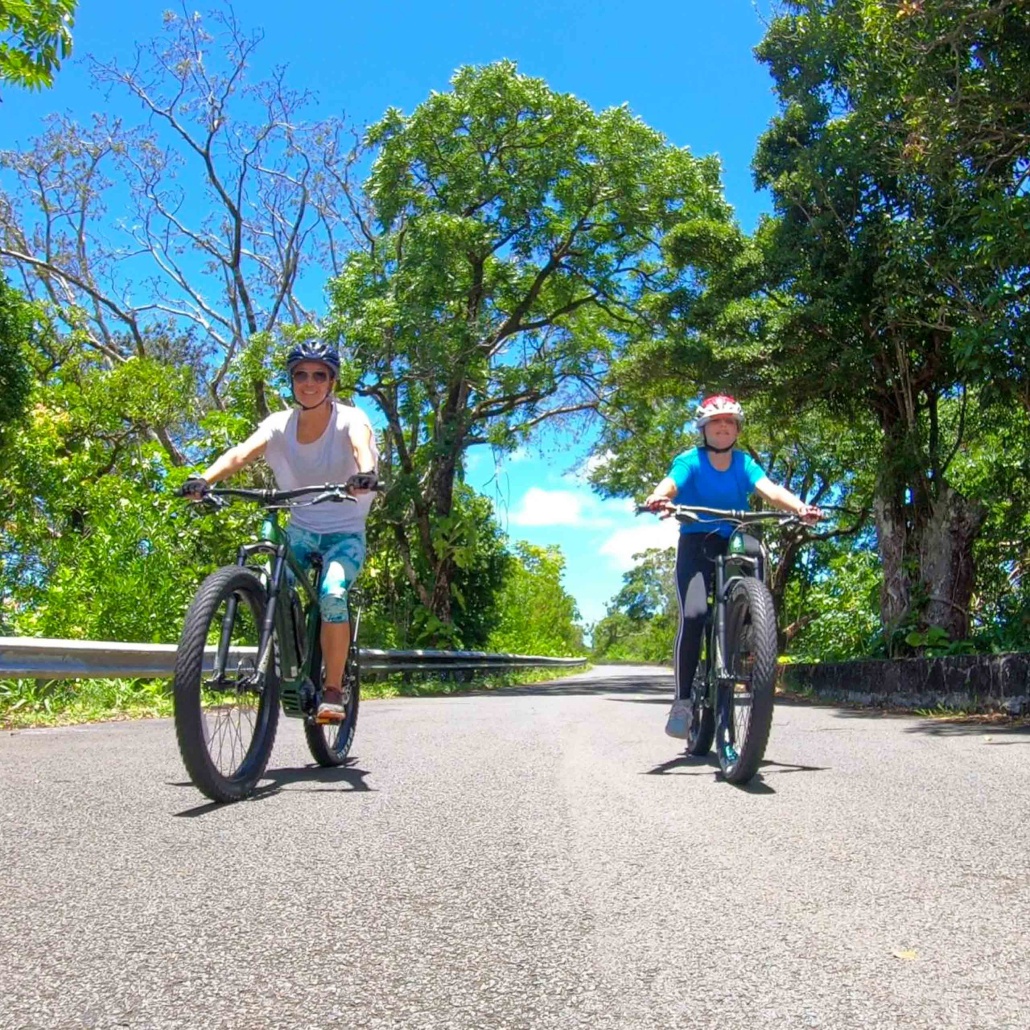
(718, 404)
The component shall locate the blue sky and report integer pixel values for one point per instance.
(684, 66)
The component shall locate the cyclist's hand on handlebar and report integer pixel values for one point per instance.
(361, 482)
(195, 488)
(657, 502)
(810, 514)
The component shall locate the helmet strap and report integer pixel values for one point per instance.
(312, 407)
(717, 450)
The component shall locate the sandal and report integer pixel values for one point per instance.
(331, 709)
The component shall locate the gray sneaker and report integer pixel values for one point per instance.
(679, 719)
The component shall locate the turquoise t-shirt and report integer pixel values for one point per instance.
(698, 483)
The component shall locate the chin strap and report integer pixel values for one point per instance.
(311, 407)
(718, 450)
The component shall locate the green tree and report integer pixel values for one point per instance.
(535, 614)
(395, 618)
(17, 326)
(35, 37)
(962, 68)
(513, 250)
(94, 546)
(865, 322)
(642, 619)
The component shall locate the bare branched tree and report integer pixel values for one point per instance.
(215, 218)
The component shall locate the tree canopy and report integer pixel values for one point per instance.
(35, 37)
(515, 246)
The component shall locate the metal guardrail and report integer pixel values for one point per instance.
(45, 658)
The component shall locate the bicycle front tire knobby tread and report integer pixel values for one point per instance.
(207, 607)
(751, 597)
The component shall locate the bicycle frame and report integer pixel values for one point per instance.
(279, 619)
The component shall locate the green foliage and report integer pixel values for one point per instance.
(844, 600)
(95, 546)
(884, 300)
(935, 642)
(395, 616)
(35, 37)
(642, 619)
(18, 325)
(62, 702)
(996, 468)
(535, 614)
(516, 251)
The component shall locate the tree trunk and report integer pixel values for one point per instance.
(946, 569)
(892, 543)
(938, 548)
(441, 596)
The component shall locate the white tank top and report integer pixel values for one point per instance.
(329, 459)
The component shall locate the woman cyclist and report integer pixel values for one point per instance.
(712, 475)
(319, 441)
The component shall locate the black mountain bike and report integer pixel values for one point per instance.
(731, 698)
(250, 642)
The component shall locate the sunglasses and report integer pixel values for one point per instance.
(302, 376)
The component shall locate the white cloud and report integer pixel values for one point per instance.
(540, 507)
(592, 464)
(624, 543)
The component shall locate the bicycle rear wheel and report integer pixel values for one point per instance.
(746, 699)
(330, 743)
(225, 725)
(701, 729)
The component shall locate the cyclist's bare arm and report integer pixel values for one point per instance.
(236, 458)
(661, 496)
(782, 498)
(361, 445)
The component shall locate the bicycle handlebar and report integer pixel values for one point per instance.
(693, 513)
(337, 492)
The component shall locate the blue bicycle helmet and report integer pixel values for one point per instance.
(314, 350)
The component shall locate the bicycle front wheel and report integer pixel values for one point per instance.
(746, 700)
(225, 720)
(330, 743)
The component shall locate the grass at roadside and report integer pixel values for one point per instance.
(26, 703)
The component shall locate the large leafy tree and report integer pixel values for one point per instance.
(513, 249)
(962, 68)
(868, 324)
(35, 37)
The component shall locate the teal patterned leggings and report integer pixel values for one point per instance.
(343, 554)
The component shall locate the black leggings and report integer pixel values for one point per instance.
(695, 566)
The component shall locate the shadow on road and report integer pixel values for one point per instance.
(967, 727)
(989, 724)
(345, 779)
(688, 765)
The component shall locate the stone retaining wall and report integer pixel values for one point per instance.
(971, 683)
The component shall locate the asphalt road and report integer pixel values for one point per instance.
(533, 858)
